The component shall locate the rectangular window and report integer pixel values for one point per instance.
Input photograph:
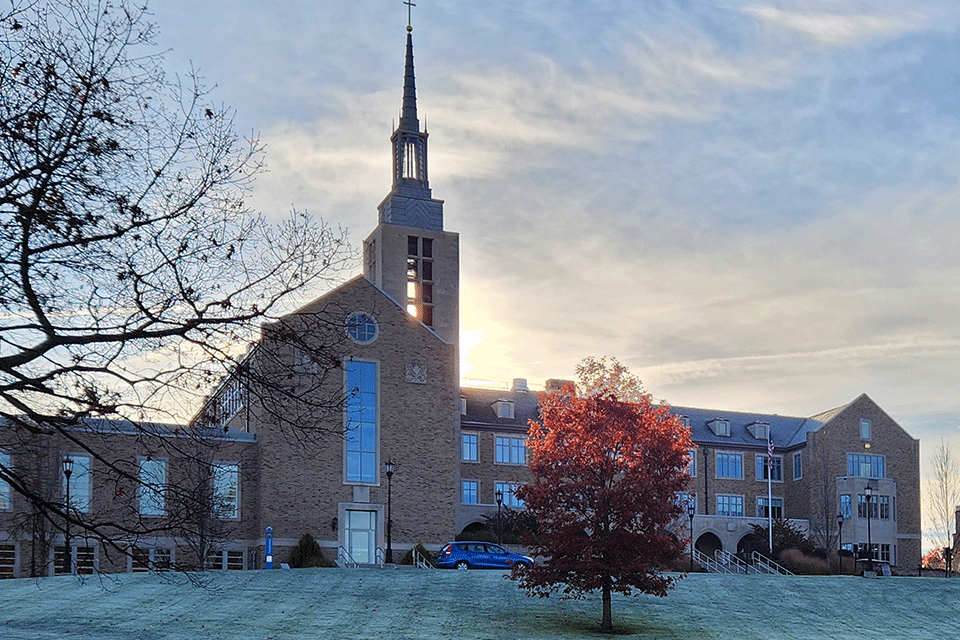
(427, 269)
(776, 473)
(865, 466)
(510, 450)
(469, 447)
(144, 559)
(883, 505)
(427, 292)
(692, 465)
(362, 436)
(153, 479)
(864, 429)
(427, 248)
(846, 506)
(797, 466)
(762, 507)
(79, 483)
(730, 506)
(470, 492)
(8, 561)
(225, 477)
(413, 248)
(729, 465)
(862, 506)
(6, 504)
(686, 500)
(885, 552)
(509, 500)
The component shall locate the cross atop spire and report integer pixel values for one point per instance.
(410, 6)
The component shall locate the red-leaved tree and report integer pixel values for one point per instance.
(605, 475)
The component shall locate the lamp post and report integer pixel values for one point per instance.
(68, 557)
(390, 467)
(499, 526)
(840, 541)
(868, 491)
(691, 509)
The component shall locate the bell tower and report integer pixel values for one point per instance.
(409, 255)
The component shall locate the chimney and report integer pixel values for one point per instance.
(520, 384)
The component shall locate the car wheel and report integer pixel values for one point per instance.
(462, 565)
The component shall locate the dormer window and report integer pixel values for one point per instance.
(503, 409)
(759, 430)
(720, 427)
(685, 421)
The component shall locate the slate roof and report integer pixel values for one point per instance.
(786, 431)
(481, 414)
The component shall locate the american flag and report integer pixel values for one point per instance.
(770, 454)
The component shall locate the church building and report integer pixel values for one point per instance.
(377, 447)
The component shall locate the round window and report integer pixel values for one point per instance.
(361, 327)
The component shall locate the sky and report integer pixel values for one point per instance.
(753, 205)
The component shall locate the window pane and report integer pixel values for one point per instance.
(226, 490)
(79, 483)
(362, 435)
(5, 502)
(469, 452)
(153, 479)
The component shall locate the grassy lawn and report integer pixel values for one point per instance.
(334, 603)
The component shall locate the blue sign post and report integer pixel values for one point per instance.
(269, 548)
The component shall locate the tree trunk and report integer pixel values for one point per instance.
(607, 624)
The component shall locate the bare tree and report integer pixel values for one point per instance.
(130, 267)
(942, 494)
(824, 508)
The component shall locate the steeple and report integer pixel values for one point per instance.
(409, 256)
(410, 202)
(408, 113)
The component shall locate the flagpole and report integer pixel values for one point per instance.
(770, 496)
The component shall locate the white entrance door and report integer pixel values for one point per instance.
(361, 534)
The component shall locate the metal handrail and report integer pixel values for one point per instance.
(769, 566)
(344, 559)
(419, 561)
(709, 563)
(379, 557)
(731, 560)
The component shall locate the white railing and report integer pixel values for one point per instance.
(419, 561)
(344, 559)
(734, 563)
(380, 558)
(767, 565)
(709, 563)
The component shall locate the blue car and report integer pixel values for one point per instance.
(478, 555)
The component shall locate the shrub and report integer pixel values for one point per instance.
(799, 562)
(422, 550)
(307, 553)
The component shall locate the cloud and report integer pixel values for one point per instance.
(828, 27)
